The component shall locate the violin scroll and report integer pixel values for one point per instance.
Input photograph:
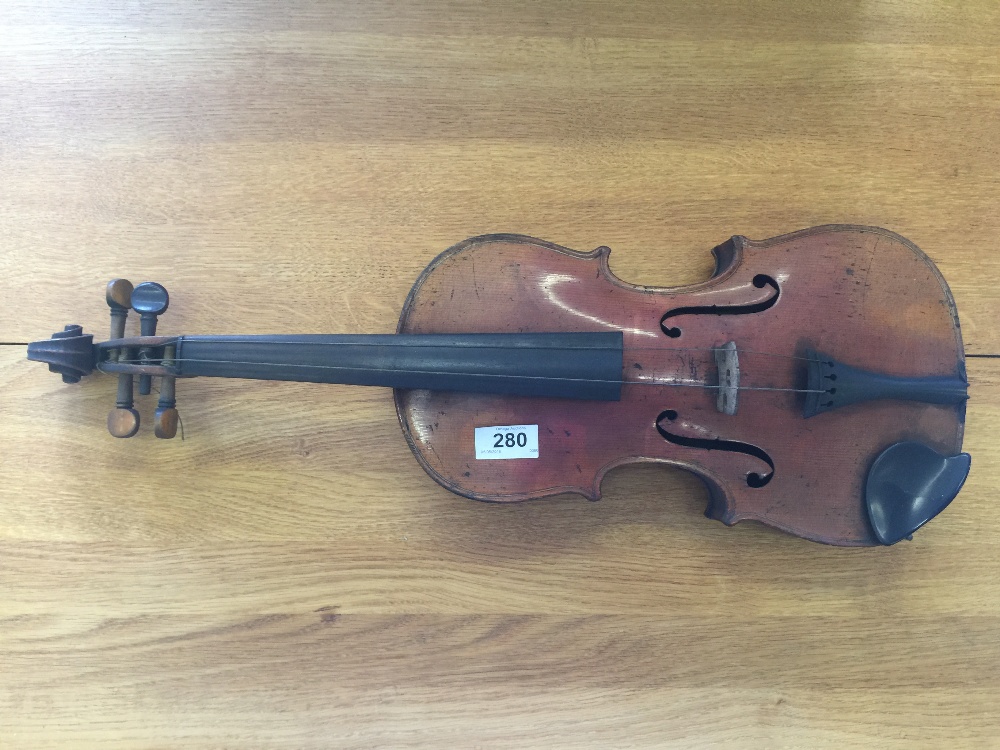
(73, 354)
(70, 353)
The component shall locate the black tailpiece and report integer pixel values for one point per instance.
(834, 384)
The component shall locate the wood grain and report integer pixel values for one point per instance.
(287, 576)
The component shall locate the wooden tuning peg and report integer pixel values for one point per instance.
(119, 297)
(123, 420)
(166, 419)
(165, 424)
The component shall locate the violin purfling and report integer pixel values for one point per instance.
(816, 382)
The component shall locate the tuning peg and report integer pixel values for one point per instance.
(123, 423)
(165, 426)
(166, 419)
(119, 296)
(123, 420)
(149, 299)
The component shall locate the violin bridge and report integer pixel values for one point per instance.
(728, 363)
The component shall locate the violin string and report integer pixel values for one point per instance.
(626, 350)
(713, 349)
(650, 382)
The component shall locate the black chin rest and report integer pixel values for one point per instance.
(908, 485)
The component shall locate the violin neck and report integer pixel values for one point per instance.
(585, 365)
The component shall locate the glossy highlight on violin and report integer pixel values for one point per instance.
(816, 382)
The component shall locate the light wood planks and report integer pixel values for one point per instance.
(287, 576)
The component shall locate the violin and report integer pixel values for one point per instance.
(815, 383)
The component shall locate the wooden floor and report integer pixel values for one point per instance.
(287, 576)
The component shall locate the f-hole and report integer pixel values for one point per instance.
(760, 281)
(754, 479)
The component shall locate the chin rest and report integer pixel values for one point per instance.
(908, 485)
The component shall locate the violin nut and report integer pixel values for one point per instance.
(165, 423)
(122, 422)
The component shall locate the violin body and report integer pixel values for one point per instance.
(864, 295)
(815, 383)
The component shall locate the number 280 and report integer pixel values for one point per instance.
(510, 439)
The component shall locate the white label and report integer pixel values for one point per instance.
(508, 441)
